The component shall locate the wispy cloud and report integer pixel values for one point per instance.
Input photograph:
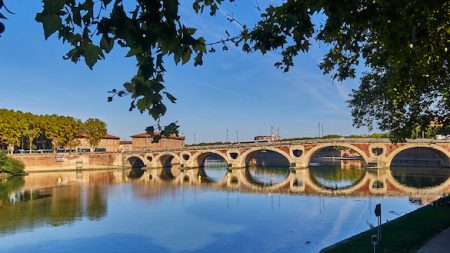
(343, 93)
(315, 89)
(302, 81)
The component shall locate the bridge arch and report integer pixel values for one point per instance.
(245, 156)
(442, 151)
(199, 158)
(169, 165)
(166, 159)
(134, 161)
(309, 154)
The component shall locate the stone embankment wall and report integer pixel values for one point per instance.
(65, 161)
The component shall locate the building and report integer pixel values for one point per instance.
(275, 136)
(263, 138)
(143, 141)
(108, 143)
(125, 146)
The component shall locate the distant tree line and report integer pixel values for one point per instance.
(208, 144)
(431, 132)
(30, 131)
(336, 136)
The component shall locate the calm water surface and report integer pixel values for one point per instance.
(119, 211)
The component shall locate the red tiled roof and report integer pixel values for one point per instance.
(125, 142)
(146, 135)
(108, 136)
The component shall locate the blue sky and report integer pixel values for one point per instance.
(232, 90)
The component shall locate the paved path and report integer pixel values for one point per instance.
(439, 244)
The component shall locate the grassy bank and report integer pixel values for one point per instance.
(405, 234)
(10, 166)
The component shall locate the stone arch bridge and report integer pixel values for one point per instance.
(374, 152)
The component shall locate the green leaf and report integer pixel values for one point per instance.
(107, 44)
(171, 7)
(186, 56)
(51, 23)
(76, 16)
(150, 130)
(170, 129)
(170, 97)
(92, 54)
(128, 87)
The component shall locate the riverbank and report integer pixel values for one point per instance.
(68, 161)
(404, 234)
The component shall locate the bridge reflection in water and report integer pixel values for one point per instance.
(345, 178)
(81, 193)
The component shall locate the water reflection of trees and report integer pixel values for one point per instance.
(9, 185)
(266, 159)
(49, 206)
(420, 177)
(338, 174)
(343, 164)
(96, 208)
(267, 175)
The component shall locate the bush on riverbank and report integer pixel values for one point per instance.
(11, 166)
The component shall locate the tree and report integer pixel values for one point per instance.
(63, 131)
(403, 45)
(10, 129)
(95, 129)
(32, 128)
(70, 130)
(60, 131)
(52, 130)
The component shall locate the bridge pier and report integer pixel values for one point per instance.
(235, 176)
(297, 178)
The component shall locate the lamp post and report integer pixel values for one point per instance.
(374, 243)
(378, 215)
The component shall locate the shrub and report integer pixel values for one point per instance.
(11, 166)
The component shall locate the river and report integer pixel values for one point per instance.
(252, 210)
